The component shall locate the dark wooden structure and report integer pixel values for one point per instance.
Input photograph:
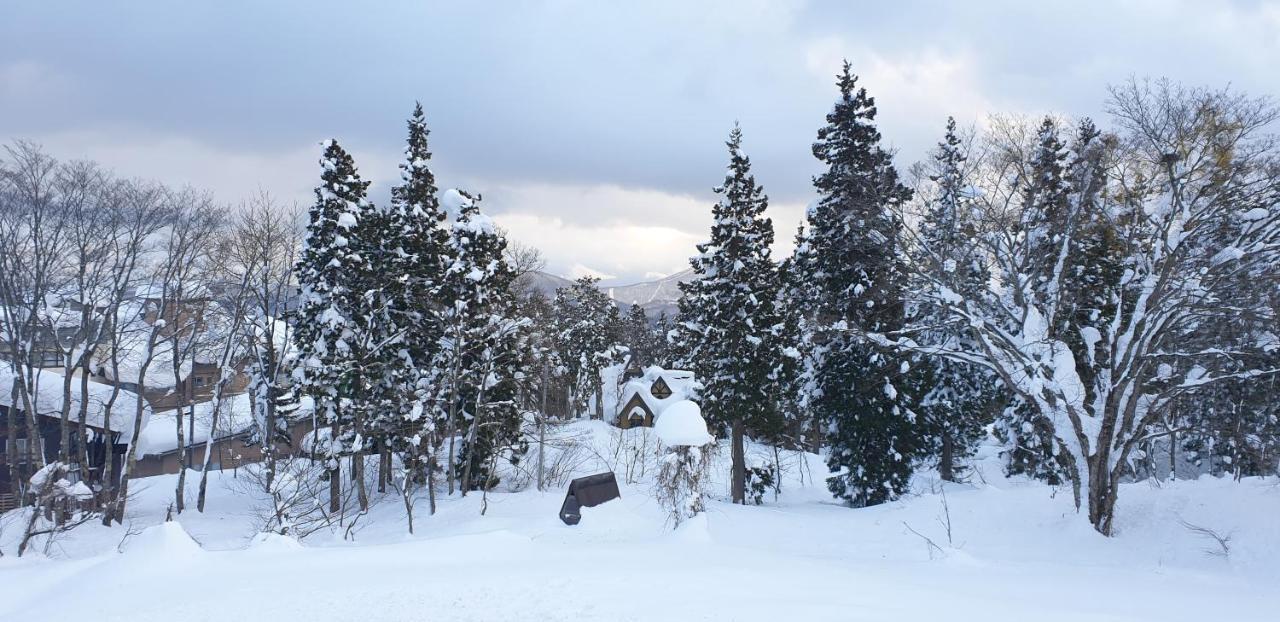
(16, 462)
(635, 414)
(586, 492)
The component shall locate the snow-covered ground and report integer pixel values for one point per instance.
(1017, 551)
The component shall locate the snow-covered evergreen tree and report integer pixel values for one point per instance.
(728, 313)
(960, 398)
(587, 337)
(853, 264)
(327, 326)
(639, 338)
(415, 265)
(481, 357)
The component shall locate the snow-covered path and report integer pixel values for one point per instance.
(1017, 555)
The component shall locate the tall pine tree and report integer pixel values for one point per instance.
(729, 316)
(961, 397)
(418, 260)
(852, 260)
(481, 351)
(587, 336)
(328, 327)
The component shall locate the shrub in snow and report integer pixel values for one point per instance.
(683, 466)
(759, 480)
(54, 509)
(296, 495)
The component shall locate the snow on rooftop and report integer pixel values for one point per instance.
(234, 417)
(681, 384)
(48, 400)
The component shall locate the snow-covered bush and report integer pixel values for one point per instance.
(683, 467)
(56, 505)
(760, 478)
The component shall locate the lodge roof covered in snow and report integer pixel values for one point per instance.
(48, 400)
(644, 398)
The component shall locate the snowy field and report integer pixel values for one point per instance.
(1017, 551)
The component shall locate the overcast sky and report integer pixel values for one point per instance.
(594, 132)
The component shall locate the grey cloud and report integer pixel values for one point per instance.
(583, 94)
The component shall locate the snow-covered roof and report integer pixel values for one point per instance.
(236, 416)
(133, 351)
(48, 400)
(159, 371)
(682, 385)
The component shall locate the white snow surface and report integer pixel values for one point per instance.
(682, 425)
(1018, 551)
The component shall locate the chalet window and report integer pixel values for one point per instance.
(199, 380)
(660, 389)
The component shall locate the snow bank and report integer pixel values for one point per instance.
(274, 542)
(164, 541)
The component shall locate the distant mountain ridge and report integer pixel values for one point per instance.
(656, 296)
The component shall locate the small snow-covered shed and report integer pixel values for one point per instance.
(646, 396)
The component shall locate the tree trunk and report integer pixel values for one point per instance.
(472, 433)
(108, 458)
(451, 428)
(815, 443)
(946, 462)
(542, 427)
(431, 483)
(384, 469)
(215, 408)
(11, 447)
(179, 491)
(335, 473)
(82, 434)
(130, 454)
(357, 474)
(408, 503)
(64, 422)
(269, 440)
(1102, 507)
(739, 466)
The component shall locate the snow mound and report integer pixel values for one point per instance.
(681, 424)
(610, 521)
(274, 542)
(694, 530)
(166, 540)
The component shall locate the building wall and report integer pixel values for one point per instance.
(49, 431)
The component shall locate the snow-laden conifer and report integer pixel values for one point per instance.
(729, 322)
